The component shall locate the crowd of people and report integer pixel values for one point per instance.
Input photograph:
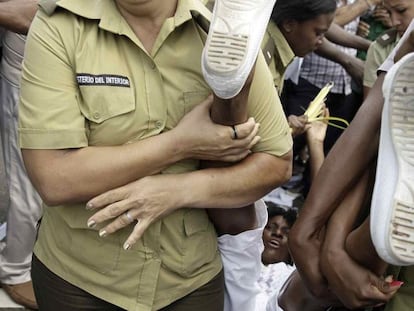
(162, 154)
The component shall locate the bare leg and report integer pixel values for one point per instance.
(358, 243)
(231, 112)
(359, 246)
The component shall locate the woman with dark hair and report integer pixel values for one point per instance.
(301, 10)
(296, 28)
(277, 264)
(281, 219)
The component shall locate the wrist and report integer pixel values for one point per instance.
(370, 5)
(314, 142)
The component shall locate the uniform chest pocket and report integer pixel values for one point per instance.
(100, 103)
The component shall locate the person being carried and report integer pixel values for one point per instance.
(351, 281)
(277, 264)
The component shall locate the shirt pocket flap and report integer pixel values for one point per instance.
(100, 103)
(194, 224)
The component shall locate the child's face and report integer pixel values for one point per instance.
(275, 236)
(401, 13)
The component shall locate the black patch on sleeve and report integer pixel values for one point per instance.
(102, 80)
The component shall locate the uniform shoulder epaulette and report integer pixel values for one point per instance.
(49, 6)
(210, 5)
(268, 49)
(387, 37)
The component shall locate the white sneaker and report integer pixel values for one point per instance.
(392, 207)
(233, 42)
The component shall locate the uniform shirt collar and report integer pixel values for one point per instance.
(285, 52)
(111, 19)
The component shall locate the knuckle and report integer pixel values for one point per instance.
(111, 228)
(123, 221)
(113, 211)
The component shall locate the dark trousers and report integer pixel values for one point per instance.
(55, 294)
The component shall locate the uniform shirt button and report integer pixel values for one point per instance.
(158, 124)
(153, 66)
(96, 115)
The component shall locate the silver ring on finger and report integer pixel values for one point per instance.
(129, 217)
(235, 136)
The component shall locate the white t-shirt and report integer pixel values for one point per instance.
(270, 281)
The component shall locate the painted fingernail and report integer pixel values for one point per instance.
(396, 283)
(91, 223)
(103, 233)
(89, 206)
(127, 246)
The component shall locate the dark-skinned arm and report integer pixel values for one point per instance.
(354, 150)
(353, 65)
(338, 35)
(355, 285)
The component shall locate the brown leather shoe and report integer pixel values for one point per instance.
(22, 294)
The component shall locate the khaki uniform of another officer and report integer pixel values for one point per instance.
(376, 55)
(277, 53)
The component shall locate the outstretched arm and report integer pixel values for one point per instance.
(16, 15)
(353, 65)
(338, 35)
(347, 13)
(315, 137)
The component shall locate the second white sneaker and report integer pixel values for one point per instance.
(233, 42)
(392, 207)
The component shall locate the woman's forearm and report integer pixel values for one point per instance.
(348, 13)
(238, 185)
(57, 176)
(345, 216)
(338, 35)
(76, 175)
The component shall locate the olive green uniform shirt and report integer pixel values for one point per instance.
(377, 53)
(88, 81)
(277, 53)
